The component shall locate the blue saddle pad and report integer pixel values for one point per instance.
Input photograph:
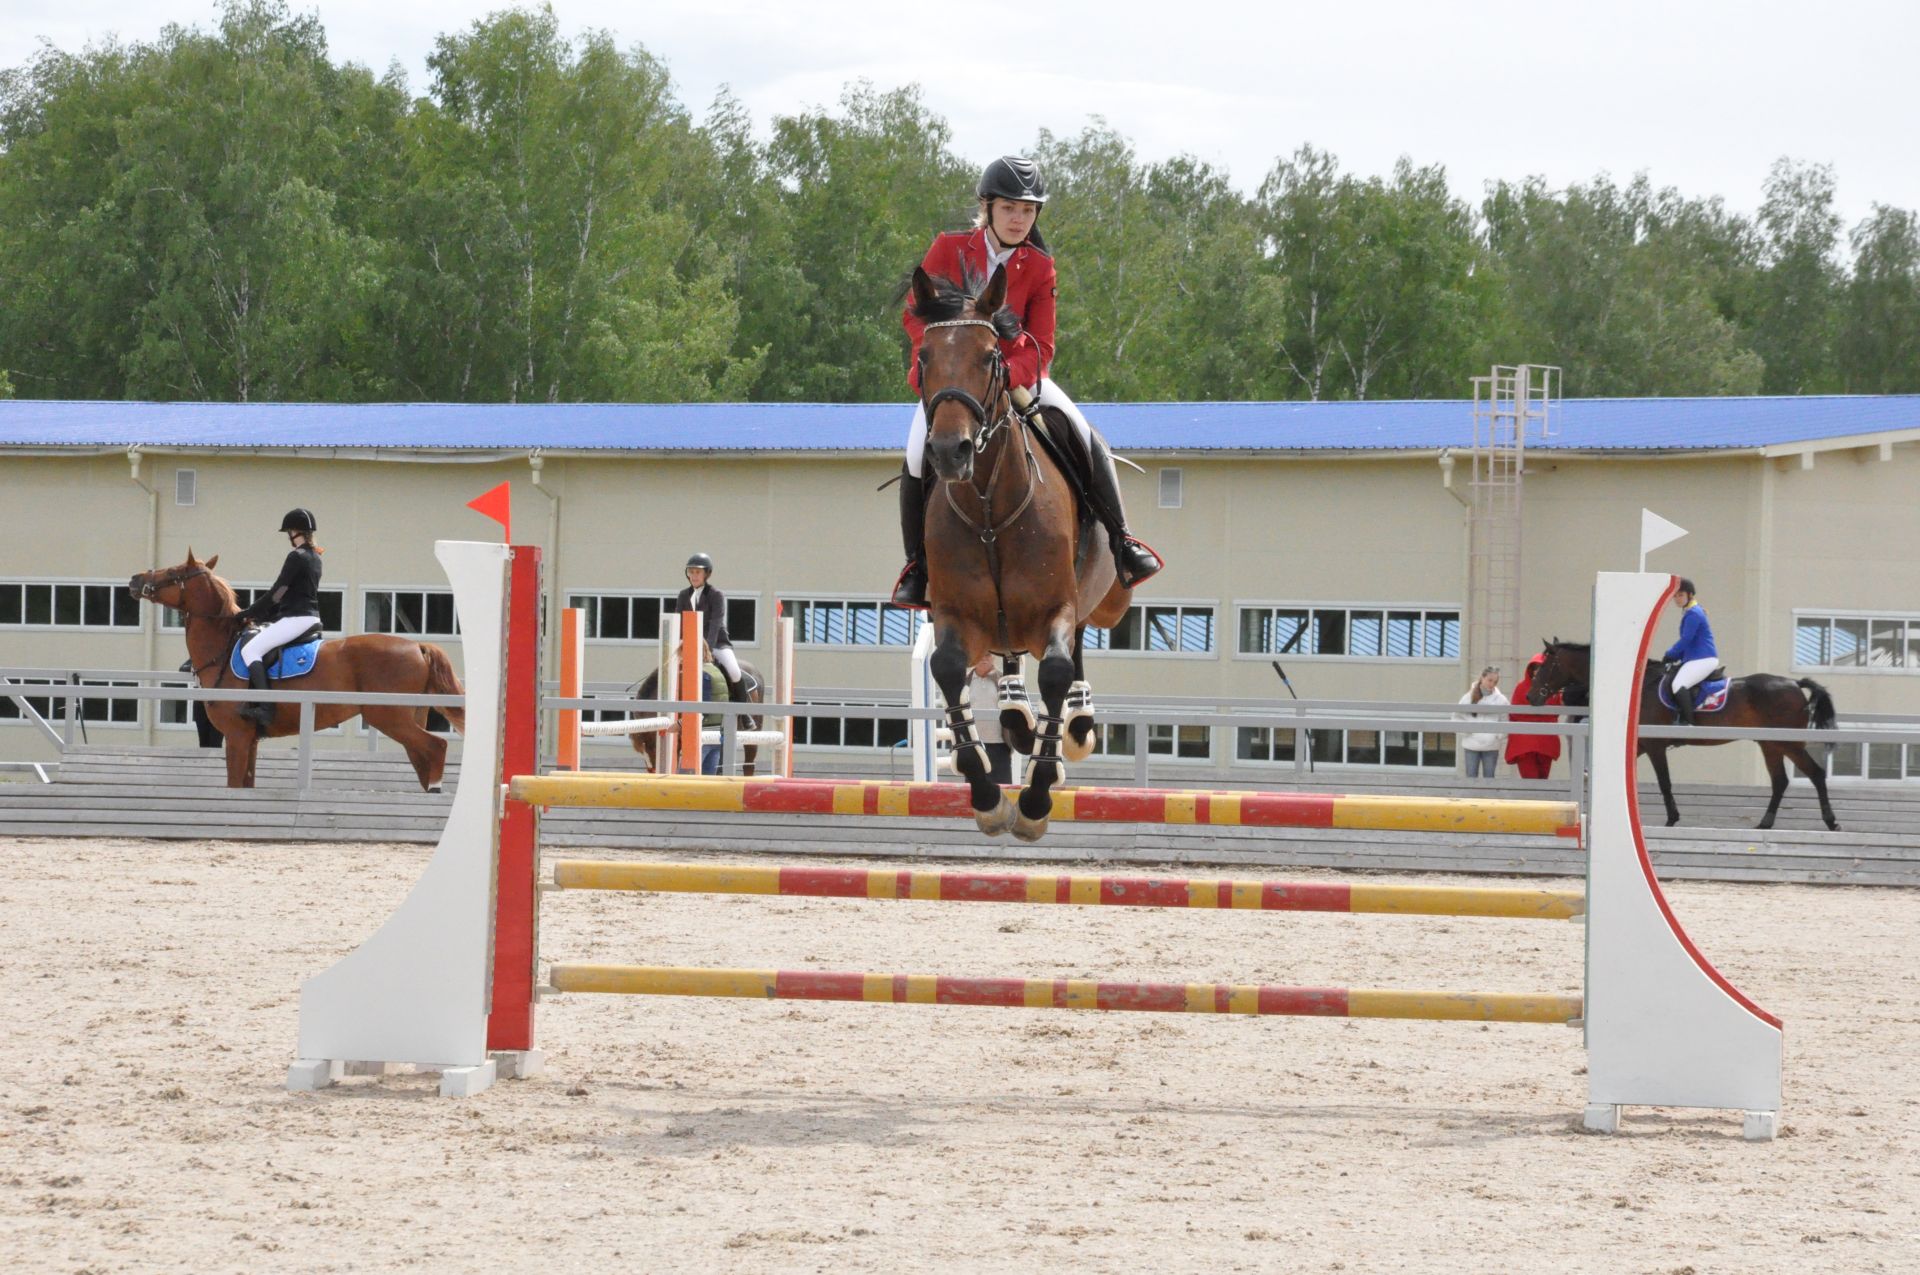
(290, 661)
(1709, 697)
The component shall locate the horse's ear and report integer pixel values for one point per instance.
(190, 561)
(994, 297)
(923, 290)
(213, 562)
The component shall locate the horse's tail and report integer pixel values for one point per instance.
(1820, 712)
(441, 681)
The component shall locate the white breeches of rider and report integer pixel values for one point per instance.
(1051, 395)
(1693, 672)
(724, 657)
(278, 633)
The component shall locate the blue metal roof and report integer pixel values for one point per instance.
(1641, 424)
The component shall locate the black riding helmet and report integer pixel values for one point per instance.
(299, 520)
(1013, 177)
(701, 561)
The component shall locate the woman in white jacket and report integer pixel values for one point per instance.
(1482, 749)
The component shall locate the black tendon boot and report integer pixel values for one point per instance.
(261, 715)
(911, 589)
(1132, 559)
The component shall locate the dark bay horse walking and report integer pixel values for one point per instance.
(377, 662)
(1759, 701)
(647, 744)
(1014, 566)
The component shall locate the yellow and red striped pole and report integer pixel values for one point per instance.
(1084, 805)
(1029, 888)
(1065, 993)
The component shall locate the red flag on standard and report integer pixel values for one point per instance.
(497, 505)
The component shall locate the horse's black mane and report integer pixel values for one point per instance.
(1573, 646)
(952, 300)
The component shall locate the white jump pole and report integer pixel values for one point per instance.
(922, 693)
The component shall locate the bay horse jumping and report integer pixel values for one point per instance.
(648, 744)
(377, 662)
(1757, 701)
(1014, 564)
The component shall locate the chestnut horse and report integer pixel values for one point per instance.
(1759, 701)
(647, 744)
(1014, 565)
(377, 662)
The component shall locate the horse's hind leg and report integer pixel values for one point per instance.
(1658, 756)
(426, 750)
(1048, 767)
(951, 669)
(1817, 774)
(240, 746)
(1777, 776)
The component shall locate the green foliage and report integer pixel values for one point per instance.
(229, 214)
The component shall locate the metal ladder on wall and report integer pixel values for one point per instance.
(1509, 405)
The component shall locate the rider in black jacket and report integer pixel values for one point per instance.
(712, 606)
(291, 606)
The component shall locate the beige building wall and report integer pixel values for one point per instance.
(1768, 536)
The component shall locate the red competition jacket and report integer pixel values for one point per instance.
(1030, 294)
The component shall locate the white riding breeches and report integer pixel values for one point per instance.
(1693, 672)
(279, 633)
(1051, 395)
(729, 664)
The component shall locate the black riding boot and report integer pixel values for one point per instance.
(260, 715)
(1683, 697)
(1132, 559)
(911, 589)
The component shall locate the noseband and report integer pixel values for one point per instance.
(996, 388)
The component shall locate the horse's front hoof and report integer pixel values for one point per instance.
(1676, 819)
(434, 789)
(1029, 829)
(995, 822)
(1077, 749)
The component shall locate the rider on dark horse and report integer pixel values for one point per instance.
(1694, 652)
(701, 596)
(1006, 237)
(291, 607)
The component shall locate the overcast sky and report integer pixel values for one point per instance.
(1702, 94)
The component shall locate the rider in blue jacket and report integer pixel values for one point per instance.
(1694, 652)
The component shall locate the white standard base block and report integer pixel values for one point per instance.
(465, 1082)
(519, 1064)
(309, 1074)
(1761, 1126)
(1602, 1117)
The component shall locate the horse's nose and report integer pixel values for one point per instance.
(133, 585)
(953, 458)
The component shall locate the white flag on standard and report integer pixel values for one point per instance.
(1654, 532)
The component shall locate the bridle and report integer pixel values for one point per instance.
(178, 579)
(996, 389)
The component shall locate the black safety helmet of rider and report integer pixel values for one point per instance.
(1686, 587)
(299, 520)
(701, 561)
(1013, 177)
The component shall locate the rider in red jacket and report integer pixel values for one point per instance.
(1005, 237)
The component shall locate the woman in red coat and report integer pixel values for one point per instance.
(1005, 237)
(1532, 755)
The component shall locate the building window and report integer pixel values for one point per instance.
(333, 608)
(1164, 739)
(62, 604)
(1857, 640)
(100, 709)
(410, 612)
(1179, 628)
(1172, 487)
(1352, 632)
(635, 617)
(1388, 749)
(850, 622)
(849, 732)
(1875, 762)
